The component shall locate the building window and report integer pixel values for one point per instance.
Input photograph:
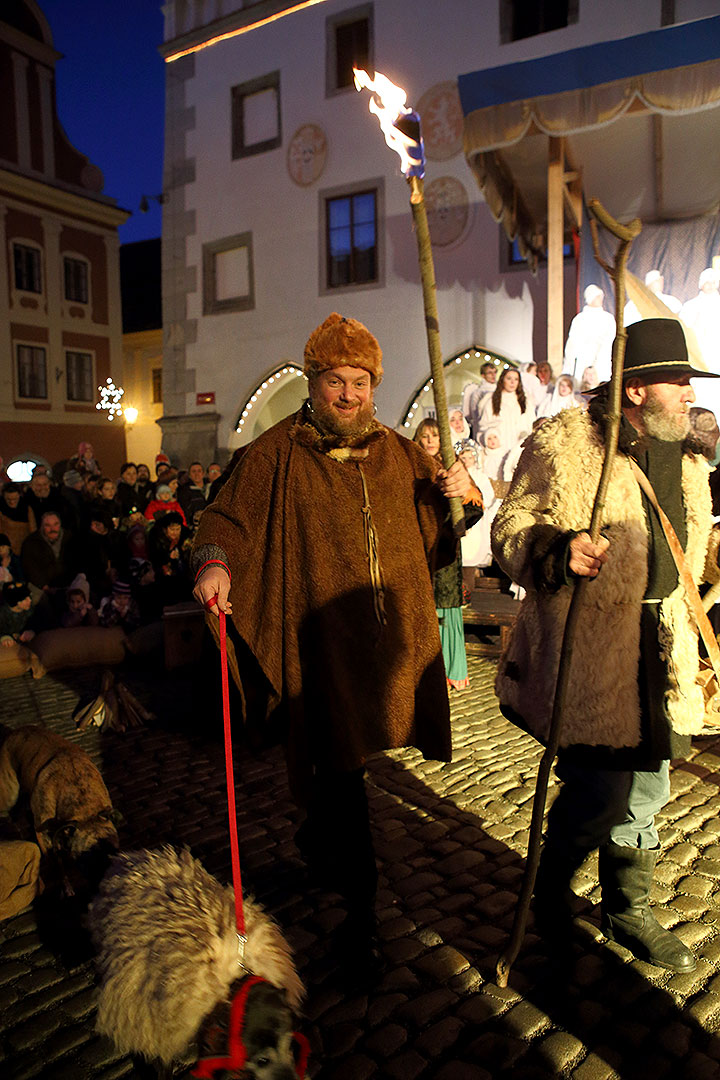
(76, 280)
(28, 274)
(351, 251)
(526, 18)
(31, 372)
(348, 44)
(79, 373)
(157, 385)
(256, 123)
(512, 259)
(228, 278)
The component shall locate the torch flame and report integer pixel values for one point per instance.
(387, 102)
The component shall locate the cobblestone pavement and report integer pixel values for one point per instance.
(450, 844)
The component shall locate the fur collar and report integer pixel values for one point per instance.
(307, 432)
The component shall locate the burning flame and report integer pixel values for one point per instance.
(387, 102)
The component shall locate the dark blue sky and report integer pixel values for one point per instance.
(110, 90)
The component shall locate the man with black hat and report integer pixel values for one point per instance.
(633, 701)
(329, 525)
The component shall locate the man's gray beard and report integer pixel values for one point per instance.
(329, 421)
(662, 425)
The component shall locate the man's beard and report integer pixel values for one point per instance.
(661, 424)
(331, 420)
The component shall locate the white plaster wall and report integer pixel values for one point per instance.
(417, 45)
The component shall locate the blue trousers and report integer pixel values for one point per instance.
(597, 806)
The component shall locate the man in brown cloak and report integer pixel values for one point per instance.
(320, 549)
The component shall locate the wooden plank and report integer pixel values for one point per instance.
(555, 237)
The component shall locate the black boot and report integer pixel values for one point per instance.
(554, 901)
(625, 878)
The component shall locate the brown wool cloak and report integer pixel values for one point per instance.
(290, 521)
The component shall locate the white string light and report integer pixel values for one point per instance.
(471, 354)
(267, 384)
(110, 398)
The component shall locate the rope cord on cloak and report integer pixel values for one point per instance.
(371, 547)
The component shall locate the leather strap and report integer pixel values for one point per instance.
(691, 591)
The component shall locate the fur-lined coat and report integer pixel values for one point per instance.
(294, 521)
(551, 497)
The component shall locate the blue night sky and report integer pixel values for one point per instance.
(110, 92)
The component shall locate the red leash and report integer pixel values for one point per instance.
(237, 1055)
(230, 776)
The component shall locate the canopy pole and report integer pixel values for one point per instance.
(555, 238)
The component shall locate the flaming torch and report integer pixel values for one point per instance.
(401, 126)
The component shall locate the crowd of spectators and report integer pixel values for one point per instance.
(81, 548)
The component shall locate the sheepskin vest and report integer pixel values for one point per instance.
(552, 494)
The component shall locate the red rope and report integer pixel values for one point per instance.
(234, 848)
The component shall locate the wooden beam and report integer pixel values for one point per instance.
(658, 154)
(555, 239)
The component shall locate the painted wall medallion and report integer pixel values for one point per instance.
(306, 154)
(442, 121)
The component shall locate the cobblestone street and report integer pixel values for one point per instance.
(450, 842)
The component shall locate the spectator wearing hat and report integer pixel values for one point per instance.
(78, 609)
(102, 552)
(162, 461)
(325, 519)
(84, 461)
(17, 519)
(633, 700)
(120, 609)
(163, 503)
(168, 543)
(72, 493)
(11, 568)
(16, 614)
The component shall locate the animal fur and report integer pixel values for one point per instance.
(72, 811)
(167, 951)
(552, 494)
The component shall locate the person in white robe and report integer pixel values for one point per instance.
(508, 410)
(590, 339)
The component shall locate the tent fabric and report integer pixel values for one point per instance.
(673, 73)
(592, 86)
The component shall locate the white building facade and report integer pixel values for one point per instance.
(282, 202)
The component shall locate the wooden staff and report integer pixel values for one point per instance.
(625, 234)
(432, 327)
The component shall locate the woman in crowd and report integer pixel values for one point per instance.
(508, 410)
(169, 545)
(17, 519)
(447, 585)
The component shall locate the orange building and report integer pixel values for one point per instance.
(60, 316)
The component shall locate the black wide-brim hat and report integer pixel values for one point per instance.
(656, 348)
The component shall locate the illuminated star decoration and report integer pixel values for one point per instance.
(110, 397)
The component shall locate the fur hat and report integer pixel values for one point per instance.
(340, 342)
